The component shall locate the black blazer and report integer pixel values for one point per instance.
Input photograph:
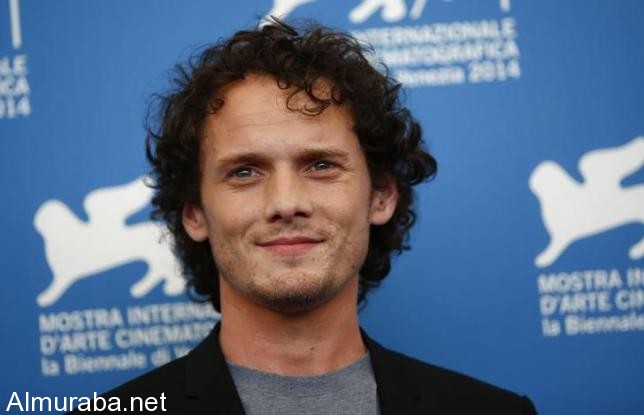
(200, 383)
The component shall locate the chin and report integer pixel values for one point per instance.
(296, 298)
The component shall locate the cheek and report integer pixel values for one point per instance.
(349, 211)
(230, 219)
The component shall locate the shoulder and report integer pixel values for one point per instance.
(445, 391)
(198, 382)
(454, 386)
(168, 379)
(162, 389)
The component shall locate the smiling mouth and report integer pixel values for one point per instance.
(290, 246)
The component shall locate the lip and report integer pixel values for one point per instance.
(290, 246)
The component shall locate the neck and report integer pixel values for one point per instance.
(309, 343)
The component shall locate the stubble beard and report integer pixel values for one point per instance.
(291, 288)
(294, 285)
(286, 291)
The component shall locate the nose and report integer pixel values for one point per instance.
(286, 196)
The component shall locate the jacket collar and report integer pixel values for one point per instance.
(210, 385)
(397, 394)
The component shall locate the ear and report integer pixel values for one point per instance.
(383, 202)
(194, 222)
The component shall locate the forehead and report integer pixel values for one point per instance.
(257, 112)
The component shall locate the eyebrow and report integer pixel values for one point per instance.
(251, 157)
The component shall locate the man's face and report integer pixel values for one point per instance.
(286, 198)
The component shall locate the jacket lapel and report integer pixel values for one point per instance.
(397, 393)
(209, 386)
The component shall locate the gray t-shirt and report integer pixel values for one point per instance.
(350, 390)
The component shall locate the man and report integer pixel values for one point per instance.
(284, 166)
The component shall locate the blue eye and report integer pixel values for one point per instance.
(242, 172)
(322, 165)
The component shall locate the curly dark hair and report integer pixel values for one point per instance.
(296, 59)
